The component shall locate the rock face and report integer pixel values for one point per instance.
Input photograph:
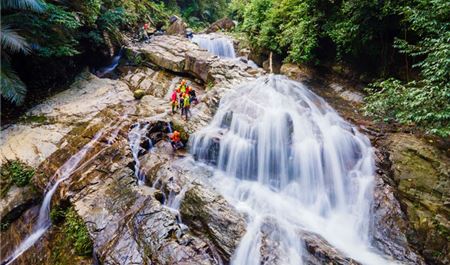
(177, 27)
(32, 142)
(16, 201)
(422, 175)
(224, 24)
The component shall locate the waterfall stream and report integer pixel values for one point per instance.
(62, 174)
(136, 135)
(220, 46)
(288, 161)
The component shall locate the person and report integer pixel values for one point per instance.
(183, 86)
(175, 140)
(181, 104)
(193, 96)
(187, 105)
(174, 101)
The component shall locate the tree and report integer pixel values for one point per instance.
(426, 101)
(12, 88)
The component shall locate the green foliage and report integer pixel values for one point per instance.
(425, 102)
(57, 214)
(12, 88)
(196, 12)
(14, 172)
(76, 232)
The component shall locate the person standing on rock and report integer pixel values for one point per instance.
(174, 101)
(181, 104)
(187, 105)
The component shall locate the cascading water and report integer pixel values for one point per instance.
(291, 163)
(109, 68)
(135, 137)
(44, 222)
(220, 46)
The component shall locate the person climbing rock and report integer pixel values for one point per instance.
(174, 101)
(175, 140)
(187, 105)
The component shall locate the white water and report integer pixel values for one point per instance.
(220, 46)
(290, 162)
(109, 68)
(44, 222)
(135, 136)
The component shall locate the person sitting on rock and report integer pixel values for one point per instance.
(174, 101)
(175, 140)
(187, 105)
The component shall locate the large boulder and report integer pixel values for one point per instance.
(179, 55)
(177, 27)
(224, 24)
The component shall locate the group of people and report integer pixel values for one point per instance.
(182, 98)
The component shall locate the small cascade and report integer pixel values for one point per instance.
(169, 127)
(44, 222)
(137, 135)
(220, 46)
(109, 68)
(288, 161)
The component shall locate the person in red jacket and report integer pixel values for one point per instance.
(174, 101)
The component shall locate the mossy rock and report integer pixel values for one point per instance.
(138, 93)
(421, 172)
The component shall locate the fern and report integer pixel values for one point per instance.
(32, 5)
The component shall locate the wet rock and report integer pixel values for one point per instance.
(422, 175)
(208, 213)
(16, 201)
(224, 24)
(391, 225)
(321, 252)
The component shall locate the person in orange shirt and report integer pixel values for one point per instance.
(175, 140)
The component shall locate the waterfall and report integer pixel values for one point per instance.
(288, 161)
(136, 135)
(44, 222)
(220, 46)
(109, 68)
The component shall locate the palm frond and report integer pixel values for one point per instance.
(33, 5)
(12, 88)
(12, 41)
